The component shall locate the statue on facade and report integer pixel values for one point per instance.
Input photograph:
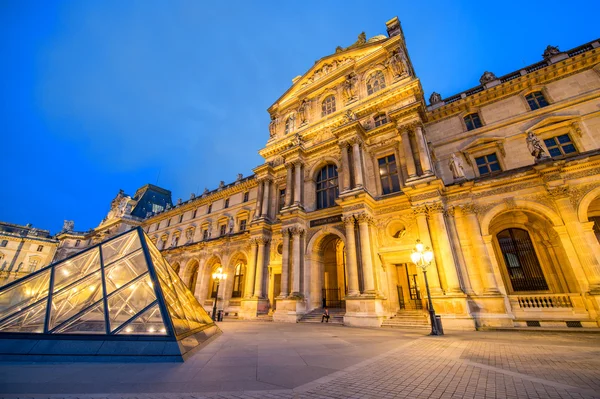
(550, 51)
(297, 140)
(239, 177)
(179, 201)
(273, 126)
(174, 241)
(303, 111)
(192, 196)
(456, 166)
(231, 224)
(362, 38)
(349, 87)
(189, 234)
(397, 63)
(205, 191)
(350, 116)
(68, 225)
(535, 146)
(487, 77)
(435, 98)
(221, 184)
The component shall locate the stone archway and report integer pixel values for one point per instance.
(326, 272)
(190, 275)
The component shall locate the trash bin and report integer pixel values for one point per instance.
(438, 325)
(220, 315)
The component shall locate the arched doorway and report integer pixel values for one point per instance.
(176, 266)
(191, 274)
(330, 276)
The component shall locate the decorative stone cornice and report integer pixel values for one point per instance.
(559, 192)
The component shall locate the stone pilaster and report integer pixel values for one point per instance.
(358, 170)
(285, 263)
(408, 154)
(260, 267)
(444, 250)
(266, 197)
(298, 184)
(289, 185)
(351, 263)
(249, 286)
(345, 167)
(297, 233)
(364, 220)
(433, 277)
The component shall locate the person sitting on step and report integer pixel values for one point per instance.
(325, 315)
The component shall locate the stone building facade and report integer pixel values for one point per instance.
(502, 181)
(23, 250)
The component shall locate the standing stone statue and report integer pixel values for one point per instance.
(303, 111)
(349, 89)
(456, 166)
(68, 225)
(397, 63)
(272, 126)
(535, 146)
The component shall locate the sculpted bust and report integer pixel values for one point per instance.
(487, 77)
(435, 98)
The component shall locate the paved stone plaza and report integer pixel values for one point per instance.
(272, 360)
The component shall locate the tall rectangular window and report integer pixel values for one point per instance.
(488, 164)
(281, 198)
(222, 230)
(77, 243)
(536, 100)
(226, 203)
(40, 248)
(243, 225)
(194, 214)
(388, 173)
(560, 145)
(168, 222)
(4, 243)
(205, 234)
(246, 196)
(209, 208)
(180, 218)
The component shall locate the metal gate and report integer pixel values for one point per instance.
(332, 298)
(524, 269)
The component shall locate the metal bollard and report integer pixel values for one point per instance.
(438, 325)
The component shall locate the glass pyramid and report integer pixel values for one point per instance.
(121, 287)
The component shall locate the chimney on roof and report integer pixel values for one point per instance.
(393, 27)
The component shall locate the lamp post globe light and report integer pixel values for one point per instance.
(217, 276)
(422, 257)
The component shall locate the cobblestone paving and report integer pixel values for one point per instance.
(462, 365)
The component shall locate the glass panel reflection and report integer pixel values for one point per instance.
(90, 322)
(130, 300)
(28, 321)
(31, 290)
(123, 271)
(71, 270)
(119, 247)
(75, 298)
(148, 323)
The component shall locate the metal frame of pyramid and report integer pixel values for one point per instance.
(119, 291)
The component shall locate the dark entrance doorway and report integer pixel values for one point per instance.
(409, 291)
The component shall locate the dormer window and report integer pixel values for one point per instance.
(536, 100)
(328, 105)
(472, 121)
(380, 119)
(375, 82)
(289, 125)
(560, 146)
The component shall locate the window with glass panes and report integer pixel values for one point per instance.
(226, 203)
(246, 195)
(327, 187)
(375, 82)
(488, 164)
(180, 218)
(536, 100)
(472, 121)
(328, 106)
(209, 208)
(40, 248)
(388, 173)
(243, 225)
(222, 229)
(194, 214)
(559, 146)
(380, 120)
(205, 234)
(238, 281)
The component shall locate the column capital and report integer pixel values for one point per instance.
(434, 208)
(289, 165)
(253, 242)
(296, 231)
(420, 210)
(285, 231)
(348, 220)
(262, 240)
(344, 144)
(364, 217)
(449, 211)
(468, 209)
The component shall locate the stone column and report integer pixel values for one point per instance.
(358, 173)
(351, 264)
(423, 151)
(433, 277)
(249, 287)
(285, 263)
(345, 166)
(571, 253)
(297, 232)
(458, 250)
(259, 199)
(480, 253)
(260, 267)
(365, 248)
(471, 274)
(440, 230)
(288, 185)
(298, 185)
(408, 154)
(578, 235)
(265, 201)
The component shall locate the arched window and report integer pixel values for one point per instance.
(375, 82)
(289, 125)
(328, 105)
(214, 285)
(327, 187)
(238, 281)
(524, 270)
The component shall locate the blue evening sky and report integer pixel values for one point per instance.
(101, 95)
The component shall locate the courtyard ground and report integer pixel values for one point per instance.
(272, 360)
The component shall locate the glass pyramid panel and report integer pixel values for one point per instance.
(130, 300)
(89, 322)
(118, 247)
(30, 290)
(73, 269)
(75, 298)
(149, 322)
(30, 320)
(124, 270)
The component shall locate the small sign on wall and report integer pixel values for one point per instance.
(327, 220)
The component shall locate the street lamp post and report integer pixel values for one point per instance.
(217, 276)
(422, 257)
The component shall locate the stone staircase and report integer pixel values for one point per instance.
(314, 316)
(408, 319)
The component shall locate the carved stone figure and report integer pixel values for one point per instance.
(456, 166)
(221, 184)
(189, 234)
(550, 51)
(303, 111)
(362, 38)
(487, 77)
(68, 225)
(192, 196)
(239, 177)
(349, 87)
(535, 146)
(179, 201)
(435, 98)
(350, 116)
(397, 63)
(297, 140)
(273, 126)
(231, 225)
(174, 241)
(205, 191)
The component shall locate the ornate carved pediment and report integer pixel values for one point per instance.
(482, 144)
(555, 122)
